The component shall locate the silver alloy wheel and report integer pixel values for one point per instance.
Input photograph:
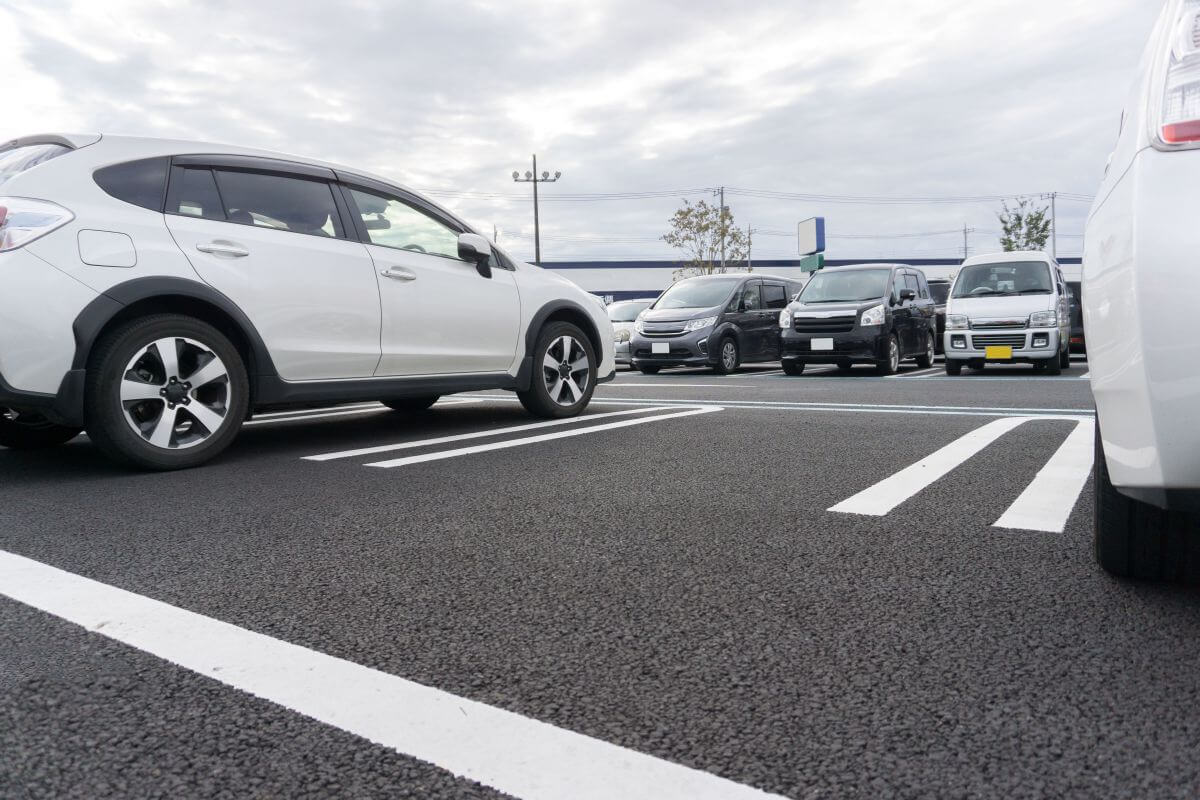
(929, 354)
(729, 355)
(565, 369)
(893, 355)
(175, 393)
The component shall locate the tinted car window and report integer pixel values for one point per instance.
(193, 193)
(940, 291)
(392, 223)
(279, 202)
(140, 182)
(697, 293)
(774, 295)
(19, 159)
(752, 296)
(910, 282)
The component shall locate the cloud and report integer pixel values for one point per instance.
(925, 98)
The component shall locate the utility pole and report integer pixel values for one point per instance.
(749, 247)
(495, 234)
(535, 179)
(966, 241)
(1053, 227)
(721, 222)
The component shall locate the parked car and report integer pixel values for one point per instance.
(623, 314)
(1139, 292)
(157, 293)
(1078, 342)
(878, 314)
(939, 289)
(1008, 308)
(718, 321)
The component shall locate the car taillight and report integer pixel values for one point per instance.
(1179, 118)
(22, 220)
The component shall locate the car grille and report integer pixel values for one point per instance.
(1017, 322)
(658, 329)
(823, 324)
(998, 340)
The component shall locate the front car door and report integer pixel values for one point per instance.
(440, 316)
(916, 314)
(277, 247)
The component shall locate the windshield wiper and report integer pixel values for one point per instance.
(1034, 291)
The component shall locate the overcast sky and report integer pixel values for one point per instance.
(922, 98)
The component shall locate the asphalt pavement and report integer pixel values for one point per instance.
(789, 584)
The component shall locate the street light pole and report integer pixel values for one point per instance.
(535, 179)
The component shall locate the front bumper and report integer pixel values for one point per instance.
(621, 352)
(685, 350)
(859, 345)
(971, 345)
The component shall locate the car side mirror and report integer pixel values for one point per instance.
(908, 294)
(473, 247)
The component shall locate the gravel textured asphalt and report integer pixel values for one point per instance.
(677, 588)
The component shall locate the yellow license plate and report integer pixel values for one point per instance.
(997, 352)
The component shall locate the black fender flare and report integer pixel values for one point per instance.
(96, 316)
(538, 321)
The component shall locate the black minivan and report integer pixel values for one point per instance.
(718, 321)
(877, 314)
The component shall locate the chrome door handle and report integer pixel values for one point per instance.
(223, 248)
(398, 274)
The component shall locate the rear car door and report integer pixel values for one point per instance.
(901, 313)
(775, 298)
(277, 247)
(752, 316)
(440, 316)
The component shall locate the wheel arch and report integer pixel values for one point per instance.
(145, 296)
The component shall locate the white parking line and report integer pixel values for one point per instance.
(919, 373)
(506, 751)
(458, 437)
(658, 384)
(545, 437)
(342, 411)
(890, 492)
(1085, 376)
(1047, 502)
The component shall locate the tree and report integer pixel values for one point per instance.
(1025, 227)
(697, 230)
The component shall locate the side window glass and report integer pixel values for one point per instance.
(138, 182)
(193, 193)
(392, 223)
(910, 282)
(752, 296)
(279, 202)
(774, 296)
(924, 293)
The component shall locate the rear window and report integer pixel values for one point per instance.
(142, 182)
(14, 162)
(281, 202)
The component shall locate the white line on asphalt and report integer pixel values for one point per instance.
(970, 411)
(761, 374)
(1048, 500)
(342, 411)
(506, 751)
(304, 417)
(384, 448)
(657, 384)
(919, 373)
(1085, 376)
(294, 411)
(545, 437)
(890, 492)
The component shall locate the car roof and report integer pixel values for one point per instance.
(739, 275)
(851, 267)
(1012, 255)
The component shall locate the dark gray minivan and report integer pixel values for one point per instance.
(718, 321)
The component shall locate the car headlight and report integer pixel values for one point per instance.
(873, 315)
(785, 318)
(621, 335)
(1043, 319)
(637, 326)
(957, 322)
(699, 324)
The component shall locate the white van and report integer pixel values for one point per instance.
(1008, 308)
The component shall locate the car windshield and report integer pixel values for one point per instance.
(627, 312)
(849, 286)
(1010, 278)
(694, 293)
(940, 291)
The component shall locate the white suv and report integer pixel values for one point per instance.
(1141, 278)
(157, 293)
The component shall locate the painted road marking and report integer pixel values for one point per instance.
(1047, 502)
(458, 437)
(919, 373)
(890, 492)
(506, 751)
(342, 411)
(659, 384)
(545, 437)
(783, 405)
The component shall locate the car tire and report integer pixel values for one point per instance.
(845, 364)
(411, 405)
(1064, 358)
(729, 356)
(979, 365)
(562, 357)
(649, 370)
(30, 431)
(793, 367)
(1138, 540)
(891, 364)
(140, 381)
(925, 361)
(1053, 366)
(953, 367)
